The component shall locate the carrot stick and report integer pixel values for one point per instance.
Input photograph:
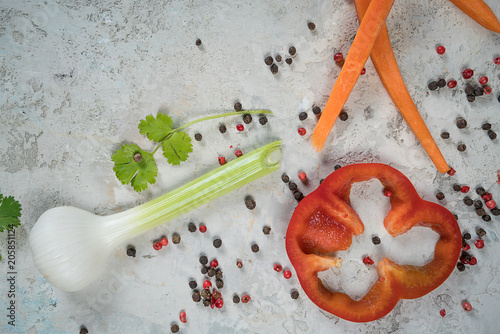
(387, 68)
(479, 12)
(376, 13)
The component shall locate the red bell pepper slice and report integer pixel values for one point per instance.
(324, 222)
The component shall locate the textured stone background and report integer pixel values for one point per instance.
(77, 76)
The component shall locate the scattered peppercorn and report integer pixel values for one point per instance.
(445, 135)
(461, 123)
(486, 126)
(131, 251)
(211, 272)
(193, 284)
(483, 80)
(467, 306)
(440, 196)
(287, 274)
(338, 57)
(174, 328)
(262, 120)
(278, 58)
(292, 186)
(469, 90)
(480, 191)
(480, 232)
(274, 69)
(255, 248)
(219, 283)
(202, 228)
(467, 73)
(343, 116)
(316, 110)
(441, 83)
(236, 299)
(480, 212)
(198, 136)
(247, 118)
(294, 294)
(452, 83)
(467, 236)
(191, 227)
(204, 270)
(238, 106)
(311, 25)
(245, 299)
(289, 61)
(239, 264)
(298, 195)
(198, 42)
(337, 167)
(461, 147)
(457, 187)
(196, 296)
(478, 204)
(468, 201)
(495, 212)
(219, 273)
(440, 49)
(268, 60)
(203, 260)
(222, 128)
(486, 218)
(302, 115)
(266, 230)
(376, 240)
(206, 302)
(250, 203)
(433, 85)
(292, 50)
(492, 134)
(240, 127)
(460, 266)
(217, 243)
(285, 178)
(471, 98)
(478, 91)
(84, 330)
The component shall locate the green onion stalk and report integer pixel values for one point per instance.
(70, 246)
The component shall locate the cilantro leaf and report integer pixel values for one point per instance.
(10, 211)
(135, 166)
(177, 147)
(156, 128)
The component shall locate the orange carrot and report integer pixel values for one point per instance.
(479, 12)
(377, 12)
(385, 63)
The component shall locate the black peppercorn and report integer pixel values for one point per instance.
(445, 135)
(294, 294)
(247, 118)
(205, 293)
(498, 98)
(84, 330)
(196, 296)
(468, 201)
(278, 58)
(376, 240)
(211, 272)
(193, 284)
(174, 328)
(478, 91)
(203, 260)
(288, 61)
(204, 270)
(480, 232)
(198, 42)
(433, 85)
(131, 251)
(480, 191)
(467, 236)
(311, 25)
(321, 181)
(441, 83)
(238, 106)
(480, 212)
(274, 68)
(460, 266)
(302, 115)
(250, 203)
(440, 196)
(206, 302)
(222, 128)
(292, 186)
(191, 227)
(316, 110)
(255, 248)
(492, 134)
(478, 204)
(455, 216)
(219, 283)
(292, 51)
(495, 211)
(461, 123)
(486, 126)
(471, 98)
(469, 90)
(298, 195)
(262, 120)
(218, 273)
(461, 147)
(198, 136)
(266, 230)
(337, 167)
(268, 60)
(217, 243)
(343, 116)
(285, 178)
(486, 218)
(236, 299)
(176, 239)
(457, 187)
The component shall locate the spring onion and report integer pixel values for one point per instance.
(70, 246)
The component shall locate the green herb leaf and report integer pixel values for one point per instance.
(135, 166)
(177, 147)
(156, 128)
(10, 211)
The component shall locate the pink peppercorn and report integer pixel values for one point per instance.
(302, 176)
(301, 131)
(203, 228)
(442, 312)
(387, 193)
(465, 189)
(491, 204)
(440, 49)
(219, 303)
(466, 247)
(240, 127)
(164, 241)
(368, 261)
(245, 299)
(472, 261)
(452, 83)
(182, 317)
(467, 73)
(487, 90)
(467, 306)
(238, 153)
(207, 284)
(222, 161)
(278, 268)
(497, 61)
(338, 57)
(479, 243)
(487, 197)
(363, 71)
(483, 80)
(287, 274)
(214, 263)
(157, 245)
(451, 172)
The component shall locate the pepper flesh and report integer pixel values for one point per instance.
(324, 223)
